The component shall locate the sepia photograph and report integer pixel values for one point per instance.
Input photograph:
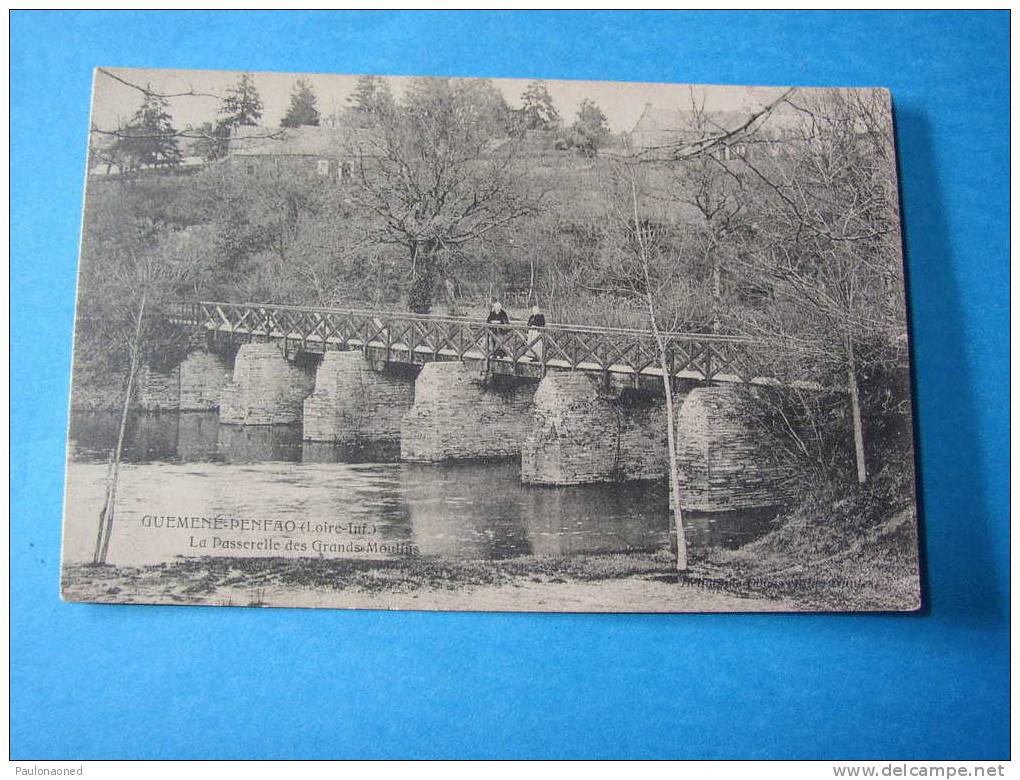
(442, 343)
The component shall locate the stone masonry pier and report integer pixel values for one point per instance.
(459, 414)
(355, 402)
(581, 435)
(203, 375)
(193, 386)
(574, 434)
(723, 463)
(266, 389)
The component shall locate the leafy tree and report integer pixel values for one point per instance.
(302, 110)
(590, 130)
(476, 102)
(538, 110)
(242, 105)
(441, 177)
(149, 137)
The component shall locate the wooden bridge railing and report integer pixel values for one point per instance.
(514, 348)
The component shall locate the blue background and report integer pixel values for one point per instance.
(166, 682)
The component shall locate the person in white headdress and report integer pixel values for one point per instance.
(497, 316)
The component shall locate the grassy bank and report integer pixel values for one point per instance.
(842, 547)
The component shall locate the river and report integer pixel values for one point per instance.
(190, 486)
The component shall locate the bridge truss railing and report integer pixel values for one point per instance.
(418, 338)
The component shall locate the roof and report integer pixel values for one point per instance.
(659, 125)
(304, 141)
(671, 120)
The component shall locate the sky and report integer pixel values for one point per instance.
(621, 102)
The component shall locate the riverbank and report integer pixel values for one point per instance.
(865, 576)
(842, 547)
(630, 582)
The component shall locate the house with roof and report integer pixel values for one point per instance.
(329, 153)
(665, 128)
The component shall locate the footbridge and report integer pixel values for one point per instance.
(574, 404)
(403, 337)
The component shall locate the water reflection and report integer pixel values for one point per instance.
(565, 521)
(333, 499)
(726, 530)
(199, 437)
(147, 436)
(466, 510)
(348, 452)
(259, 443)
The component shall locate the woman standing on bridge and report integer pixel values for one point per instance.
(535, 324)
(497, 316)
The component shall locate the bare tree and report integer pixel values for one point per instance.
(651, 267)
(704, 184)
(826, 237)
(440, 173)
(138, 279)
(715, 136)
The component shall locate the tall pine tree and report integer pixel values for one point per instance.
(538, 109)
(149, 138)
(302, 110)
(242, 106)
(372, 96)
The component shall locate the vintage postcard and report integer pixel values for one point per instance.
(484, 344)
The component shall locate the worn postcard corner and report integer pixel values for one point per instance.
(487, 344)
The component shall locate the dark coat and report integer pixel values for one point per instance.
(536, 321)
(499, 317)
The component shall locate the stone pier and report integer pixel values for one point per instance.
(203, 375)
(266, 388)
(644, 448)
(459, 414)
(724, 465)
(354, 402)
(193, 386)
(575, 433)
(582, 435)
(158, 390)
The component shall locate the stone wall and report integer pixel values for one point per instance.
(202, 376)
(353, 402)
(266, 388)
(459, 414)
(723, 463)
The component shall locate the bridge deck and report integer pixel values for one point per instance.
(508, 349)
